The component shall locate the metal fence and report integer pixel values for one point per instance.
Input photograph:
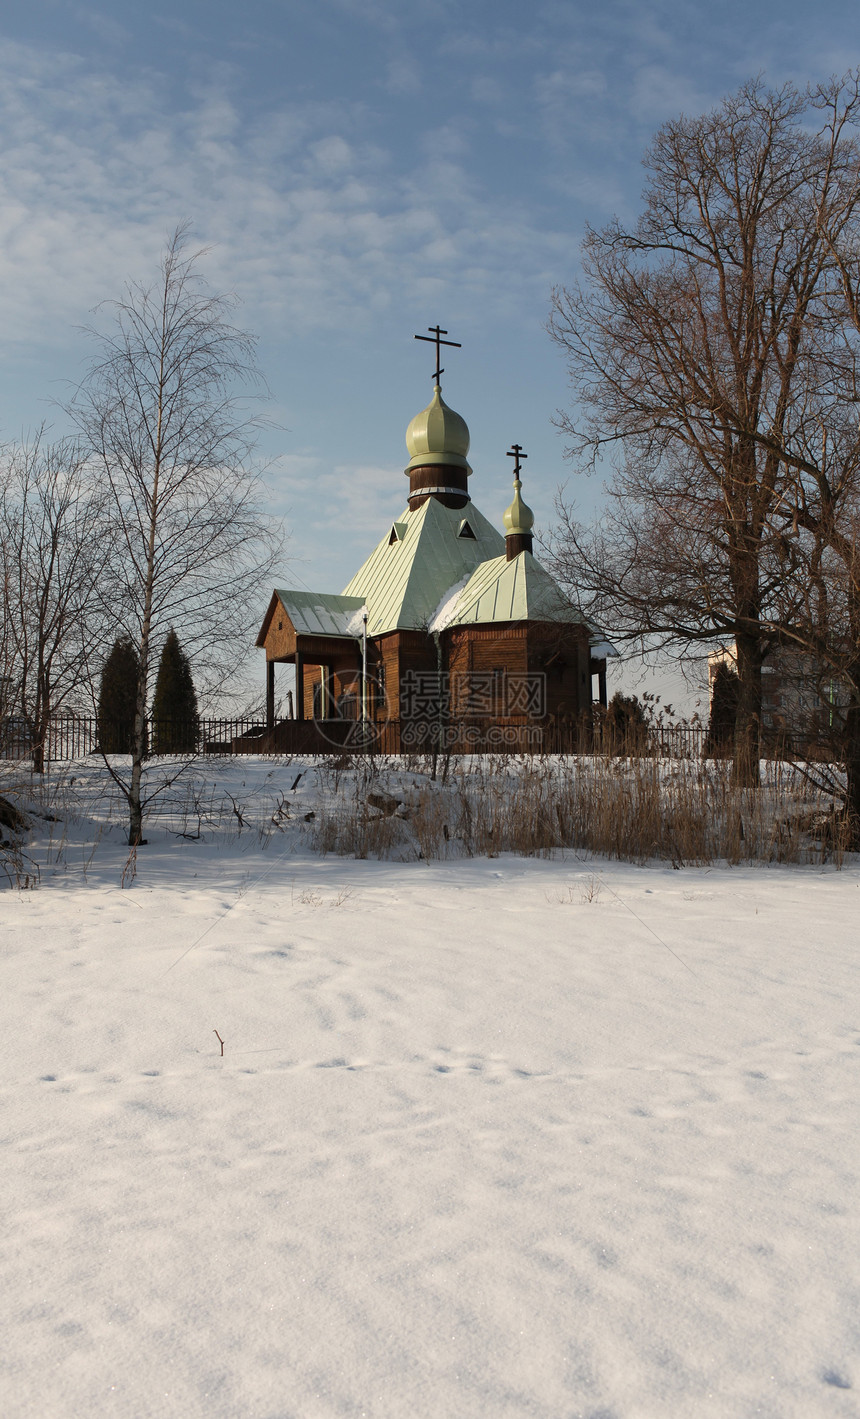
(75, 737)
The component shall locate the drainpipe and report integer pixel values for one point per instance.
(437, 741)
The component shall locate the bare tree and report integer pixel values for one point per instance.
(160, 412)
(693, 348)
(53, 555)
(821, 544)
(817, 521)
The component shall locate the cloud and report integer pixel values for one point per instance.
(320, 501)
(310, 220)
(659, 92)
(322, 212)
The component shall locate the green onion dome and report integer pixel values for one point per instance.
(519, 518)
(438, 435)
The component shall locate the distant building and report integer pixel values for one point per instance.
(799, 697)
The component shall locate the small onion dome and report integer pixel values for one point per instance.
(519, 518)
(437, 435)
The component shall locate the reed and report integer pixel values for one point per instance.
(632, 808)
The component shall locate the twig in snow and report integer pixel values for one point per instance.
(220, 1041)
(129, 872)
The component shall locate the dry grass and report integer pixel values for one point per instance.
(635, 809)
(683, 811)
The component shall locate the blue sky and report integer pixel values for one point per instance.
(361, 169)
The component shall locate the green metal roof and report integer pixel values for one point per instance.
(519, 590)
(404, 581)
(428, 577)
(316, 613)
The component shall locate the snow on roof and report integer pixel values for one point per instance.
(444, 612)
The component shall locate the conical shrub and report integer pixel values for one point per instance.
(725, 694)
(117, 698)
(175, 722)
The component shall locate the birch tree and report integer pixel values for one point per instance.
(164, 413)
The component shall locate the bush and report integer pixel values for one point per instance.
(175, 724)
(117, 698)
(626, 725)
(720, 738)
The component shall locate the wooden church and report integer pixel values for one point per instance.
(451, 634)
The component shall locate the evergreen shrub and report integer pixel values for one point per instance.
(175, 722)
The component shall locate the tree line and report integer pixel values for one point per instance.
(713, 346)
(147, 523)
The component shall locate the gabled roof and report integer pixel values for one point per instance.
(404, 580)
(317, 613)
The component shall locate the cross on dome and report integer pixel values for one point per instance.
(516, 451)
(435, 338)
(519, 518)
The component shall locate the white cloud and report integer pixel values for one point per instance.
(320, 501)
(308, 220)
(659, 92)
(487, 90)
(331, 155)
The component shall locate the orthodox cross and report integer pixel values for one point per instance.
(516, 451)
(435, 338)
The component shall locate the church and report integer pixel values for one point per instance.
(450, 635)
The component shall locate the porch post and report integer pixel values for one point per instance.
(270, 695)
(300, 686)
(601, 685)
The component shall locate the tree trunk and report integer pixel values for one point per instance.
(40, 735)
(135, 813)
(747, 748)
(138, 742)
(852, 762)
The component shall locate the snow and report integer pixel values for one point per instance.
(355, 622)
(447, 608)
(491, 1137)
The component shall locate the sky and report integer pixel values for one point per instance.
(359, 170)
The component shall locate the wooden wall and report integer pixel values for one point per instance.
(559, 653)
(482, 652)
(562, 654)
(280, 640)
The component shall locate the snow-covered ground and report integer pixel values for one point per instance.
(501, 1138)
